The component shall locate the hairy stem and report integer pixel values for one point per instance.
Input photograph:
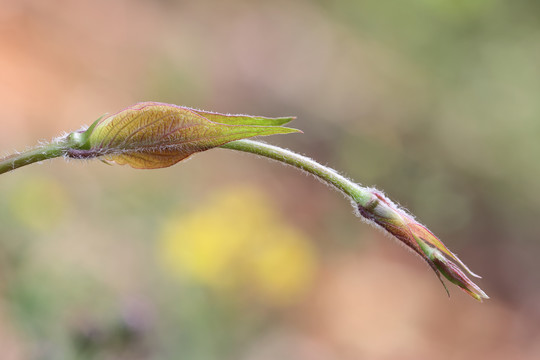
(44, 152)
(357, 193)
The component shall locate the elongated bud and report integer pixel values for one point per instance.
(153, 135)
(383, 212)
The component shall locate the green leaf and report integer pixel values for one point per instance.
(153, 135)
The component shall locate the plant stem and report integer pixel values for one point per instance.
(357, 193)
(44, 152)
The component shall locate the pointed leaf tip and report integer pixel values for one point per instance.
(244, 119)
(455, 275)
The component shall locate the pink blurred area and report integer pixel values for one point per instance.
(414, 99)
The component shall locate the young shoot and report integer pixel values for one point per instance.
(152, 135)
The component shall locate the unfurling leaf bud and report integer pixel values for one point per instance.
(384, 213)
(152, 135)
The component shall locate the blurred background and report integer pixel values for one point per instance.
(227, 256)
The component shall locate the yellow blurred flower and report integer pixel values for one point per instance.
(238, 242)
